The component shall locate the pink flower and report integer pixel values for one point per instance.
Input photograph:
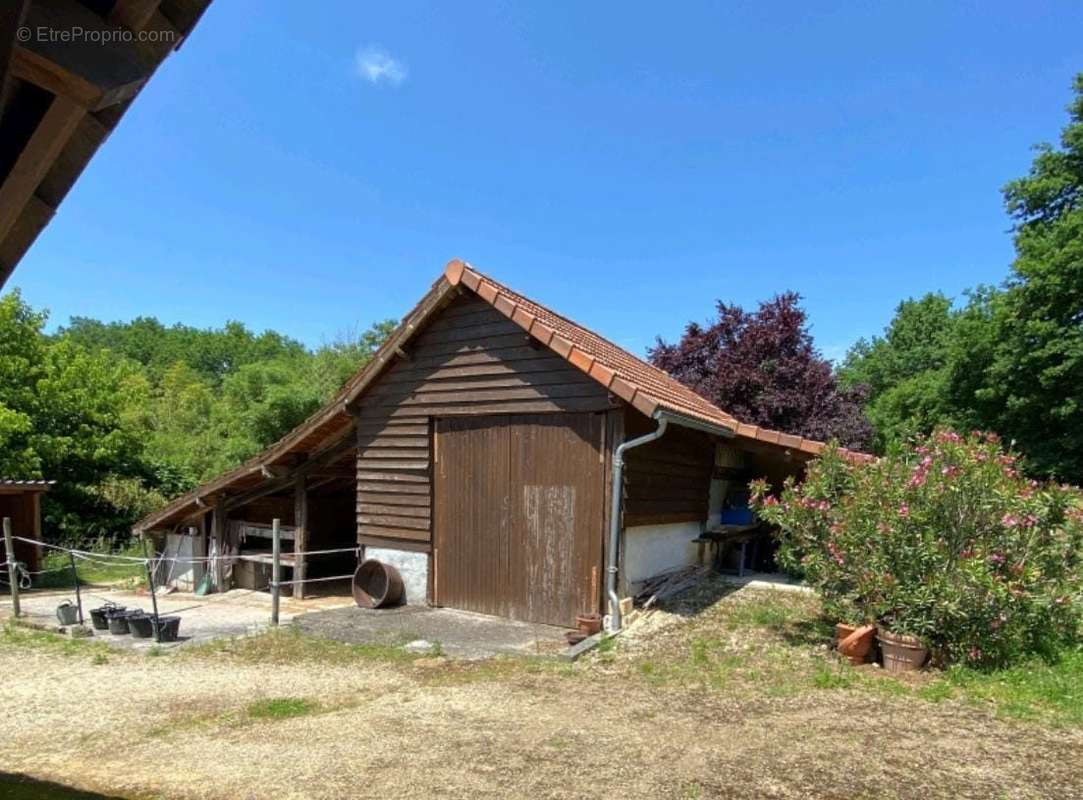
(975, 654)
(904, 511)
(1009, 520)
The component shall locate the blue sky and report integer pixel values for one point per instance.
(312, 167)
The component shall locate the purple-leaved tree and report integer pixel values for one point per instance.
(762, 368)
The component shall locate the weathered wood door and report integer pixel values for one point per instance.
(519, 515)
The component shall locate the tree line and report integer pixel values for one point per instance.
(124, 415)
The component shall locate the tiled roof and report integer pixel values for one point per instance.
(26, 484)
(632, 379)
(645, 387)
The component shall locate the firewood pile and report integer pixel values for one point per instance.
(668, 583)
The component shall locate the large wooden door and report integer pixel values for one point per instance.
(519, 515)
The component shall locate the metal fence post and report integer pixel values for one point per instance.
(13, 577)
(75, 577)
(276, 553)
(153, 593)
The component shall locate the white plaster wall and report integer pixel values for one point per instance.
(651, 549)
(413, 567)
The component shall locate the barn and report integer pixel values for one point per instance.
(505, 459)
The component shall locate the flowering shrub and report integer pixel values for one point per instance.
(944, 540)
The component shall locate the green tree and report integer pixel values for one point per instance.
(906, 370)
(66, 414)
(1010, 360)
(1034, 376)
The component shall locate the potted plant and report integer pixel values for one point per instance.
(900, 653)
(944, 544)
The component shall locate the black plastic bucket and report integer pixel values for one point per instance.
(99, 617)
(141, 625)
(118, 620)
(118, 624)
(168, 628)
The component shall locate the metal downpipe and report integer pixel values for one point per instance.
(613, 619)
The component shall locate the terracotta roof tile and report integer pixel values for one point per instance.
(632, 379)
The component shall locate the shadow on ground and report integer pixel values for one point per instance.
(20, 787)
(701, 597)
(804, 628)
(454, 633)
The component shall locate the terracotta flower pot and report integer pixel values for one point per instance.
(589, 624)
(857, 645)
(842, 630)
(901, 653)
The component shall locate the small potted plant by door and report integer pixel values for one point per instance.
(900, 652)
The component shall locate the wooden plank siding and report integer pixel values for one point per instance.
(469, 360)
(667, 480)
(520, 507)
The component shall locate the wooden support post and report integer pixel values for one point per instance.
(13, 573)
(300, 536)
(276, 554)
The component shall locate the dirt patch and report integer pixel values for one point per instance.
(734, 703)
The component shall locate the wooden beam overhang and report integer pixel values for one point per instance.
(313, 464)
(11, 19)
(73, 53)
(49, 138)
(134, 15)
(96, 54)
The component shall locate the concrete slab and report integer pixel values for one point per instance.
(460, 634)
(239, 612)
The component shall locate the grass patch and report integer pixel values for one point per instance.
(288, 645)
(130, 573)
(775, 643)
(19, 636)
(832, 676)
(281, 708)
(1035, 690)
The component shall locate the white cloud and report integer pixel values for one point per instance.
(376, 66)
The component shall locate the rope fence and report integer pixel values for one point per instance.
(102, 559)
(19, 578)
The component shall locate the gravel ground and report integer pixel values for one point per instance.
(180, 726)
